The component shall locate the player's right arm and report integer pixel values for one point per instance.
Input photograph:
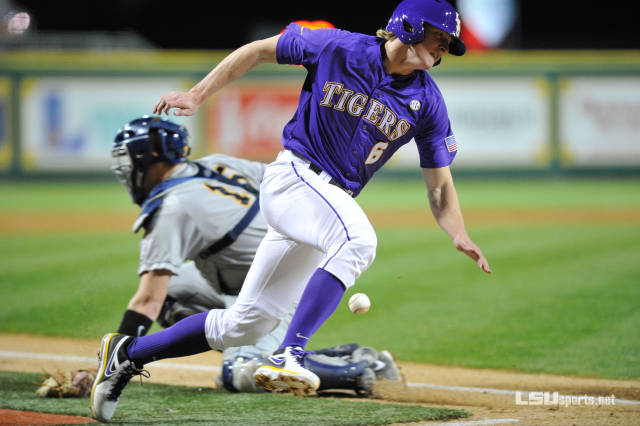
(237, 64)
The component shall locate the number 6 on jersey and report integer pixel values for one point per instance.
(376, 152)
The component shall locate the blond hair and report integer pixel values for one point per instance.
(385, 34)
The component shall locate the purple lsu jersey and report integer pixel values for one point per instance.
(352, 115)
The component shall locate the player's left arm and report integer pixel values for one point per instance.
(151, 293)
(443, 200)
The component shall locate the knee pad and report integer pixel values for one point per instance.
(173, 311)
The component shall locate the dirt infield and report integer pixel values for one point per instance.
(117, 221)
(488, 394)
(15, 417)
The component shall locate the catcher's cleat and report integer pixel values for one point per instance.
(340, 374)
(237, 374)
(115, 369)
(389, 370)
(285, 372)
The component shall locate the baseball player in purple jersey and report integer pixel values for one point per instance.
(202, 230)
(363, 98)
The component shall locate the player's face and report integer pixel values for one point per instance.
(431, 49)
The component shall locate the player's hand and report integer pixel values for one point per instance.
(468, 247)
(183, 103)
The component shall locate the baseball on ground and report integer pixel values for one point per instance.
(359, 303)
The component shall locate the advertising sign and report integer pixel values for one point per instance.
(6, 149)
(68, 123)
(600, 121)
(247, 118)
(497, 122)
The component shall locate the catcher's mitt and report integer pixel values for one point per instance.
(67, 384)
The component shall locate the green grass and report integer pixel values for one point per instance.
(509, 193)
(66, 285)
(55, 197)
(170, 405)
(109, 195)
(563, 298)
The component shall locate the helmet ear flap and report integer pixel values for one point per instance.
(155, 143)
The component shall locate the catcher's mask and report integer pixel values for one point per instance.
(143, 142)
(409, 17)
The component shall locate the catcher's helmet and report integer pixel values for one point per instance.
(143, 142)
(407, 22)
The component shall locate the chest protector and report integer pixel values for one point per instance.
(154, 200)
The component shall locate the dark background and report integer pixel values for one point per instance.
(221, 25)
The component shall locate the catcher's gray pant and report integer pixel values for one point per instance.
(193, 294)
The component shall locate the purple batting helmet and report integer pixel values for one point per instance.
(407, 22)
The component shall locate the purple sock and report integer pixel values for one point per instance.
(186, 337)
(319, 300)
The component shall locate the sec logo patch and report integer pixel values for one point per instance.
(415, 105)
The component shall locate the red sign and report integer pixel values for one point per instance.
(247, 119)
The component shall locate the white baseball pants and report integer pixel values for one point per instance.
(312, 224)
(196, 293)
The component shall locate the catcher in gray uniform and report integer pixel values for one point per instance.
(202, 227)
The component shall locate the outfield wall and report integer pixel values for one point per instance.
(510, 111)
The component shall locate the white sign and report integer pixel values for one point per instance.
(497, 122)
(68, 123)
(600, 120)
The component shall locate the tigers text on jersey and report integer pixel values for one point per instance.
(352, 115)
(199, 212)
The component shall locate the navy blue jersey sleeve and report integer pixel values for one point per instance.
(301, 46)
(436, 143)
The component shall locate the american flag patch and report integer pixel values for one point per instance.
(450, 141)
